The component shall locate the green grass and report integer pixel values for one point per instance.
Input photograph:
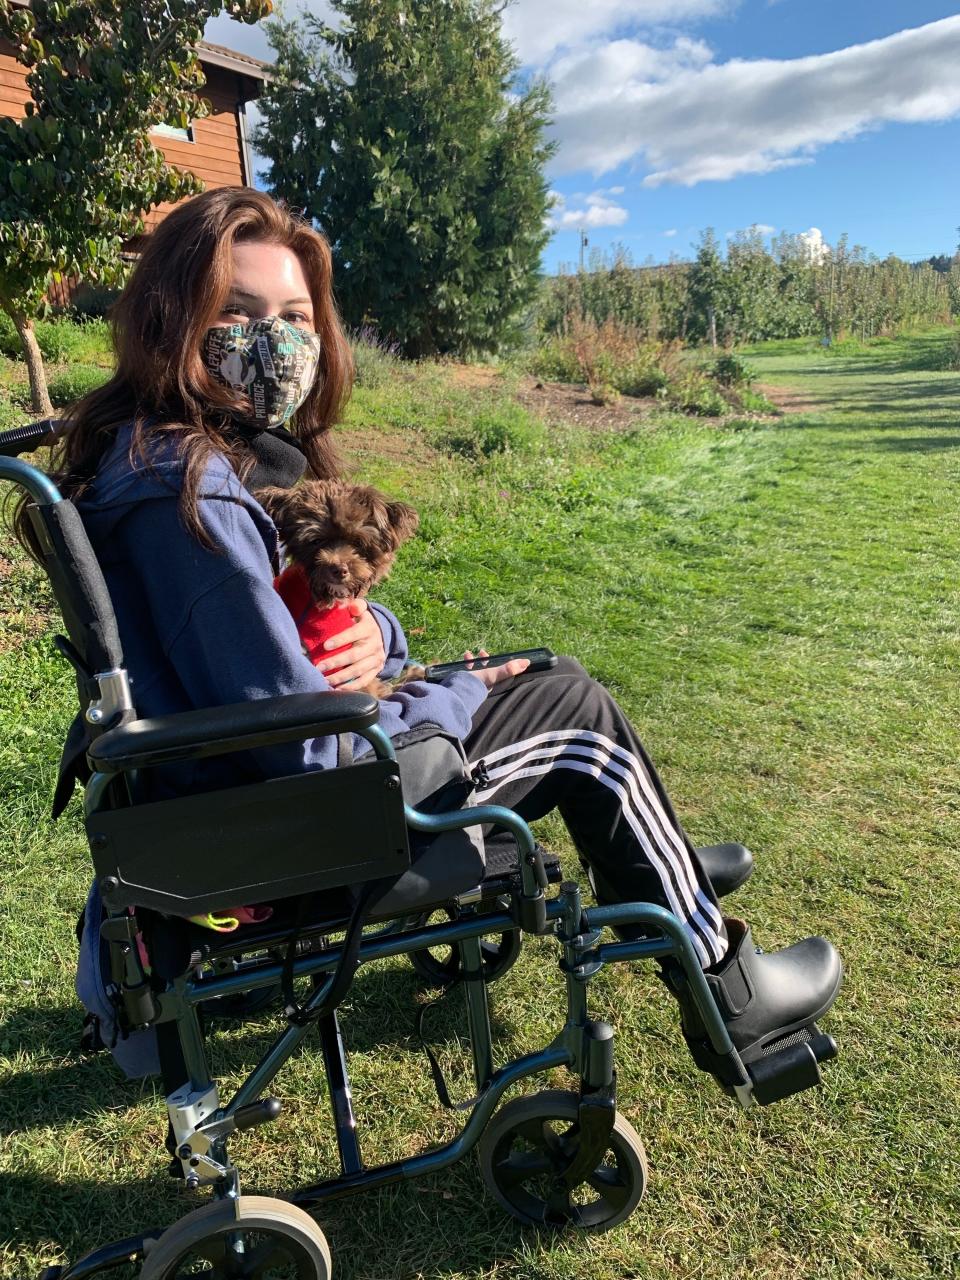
(776, 606)
(77, 358)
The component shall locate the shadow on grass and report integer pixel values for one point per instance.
(82, 1215)
(405, 1230)
(878, 405)
(60, 1085)
(919, 444)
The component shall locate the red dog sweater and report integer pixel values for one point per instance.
(315, 623)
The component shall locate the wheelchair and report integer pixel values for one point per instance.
(358, 868)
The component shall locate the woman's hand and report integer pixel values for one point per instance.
(494, 675)
(366, 656)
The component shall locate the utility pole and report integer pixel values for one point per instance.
(583, 244)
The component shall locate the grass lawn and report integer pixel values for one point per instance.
(775, 603)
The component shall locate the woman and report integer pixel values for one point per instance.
(162, 461)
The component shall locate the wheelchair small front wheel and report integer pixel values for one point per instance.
(531, 1141)
(440, 966)
(246, 1239)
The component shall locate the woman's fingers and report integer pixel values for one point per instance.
(357, 672)
(365, 656)
(495, 675)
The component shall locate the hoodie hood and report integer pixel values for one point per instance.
(123, 482)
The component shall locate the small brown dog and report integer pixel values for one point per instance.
(342, 540)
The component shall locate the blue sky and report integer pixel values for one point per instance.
(674, 115)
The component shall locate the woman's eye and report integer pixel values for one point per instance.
(298, 318)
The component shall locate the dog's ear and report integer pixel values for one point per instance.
(278, 503)
(402, 521)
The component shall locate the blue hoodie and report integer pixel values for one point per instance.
(204, 627)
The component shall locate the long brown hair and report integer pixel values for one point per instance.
(175, 294)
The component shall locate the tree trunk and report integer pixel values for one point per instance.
(712, 322)
(39, 395)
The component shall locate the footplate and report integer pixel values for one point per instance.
(790, 1065)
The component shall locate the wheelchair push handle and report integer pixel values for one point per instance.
(32, 436)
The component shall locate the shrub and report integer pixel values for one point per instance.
(9, 342)
(375, 361)
(610, 357)
(649, 369)
(731, 370)
(754, 402)
(845, 346)
(86, 343)
(951, 361)
(59, 340)
(556, 361)
(74, 383)
(603, 393)
(503, 428)
(694, 392)
(51, 339)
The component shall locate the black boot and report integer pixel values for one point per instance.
(763, 997)
(726, 866)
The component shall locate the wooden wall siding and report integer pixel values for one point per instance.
(214, 155)
(61, 291)
(13, 83)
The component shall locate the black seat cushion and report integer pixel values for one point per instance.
(441, 871)
(449, 865)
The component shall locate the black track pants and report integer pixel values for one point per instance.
(557, 740)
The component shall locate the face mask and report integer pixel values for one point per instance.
(269, 360)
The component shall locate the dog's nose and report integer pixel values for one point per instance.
(341, 571)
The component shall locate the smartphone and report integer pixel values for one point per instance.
(540, 660)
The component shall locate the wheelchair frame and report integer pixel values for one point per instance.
(201, 1124)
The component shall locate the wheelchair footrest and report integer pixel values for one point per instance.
(790, 1065)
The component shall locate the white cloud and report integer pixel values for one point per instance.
(760, 228)
(596, 210)
(690, 119)
(682, 116)
(813, 242)
(538, 28)
(671, 233)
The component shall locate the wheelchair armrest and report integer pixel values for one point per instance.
(213, 731)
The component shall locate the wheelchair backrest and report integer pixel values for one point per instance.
(78, 585)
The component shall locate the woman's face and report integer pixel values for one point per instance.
(268, 280)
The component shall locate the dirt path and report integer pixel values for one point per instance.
(559, 401)
(787, 399)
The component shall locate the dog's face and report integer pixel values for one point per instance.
(343, 536)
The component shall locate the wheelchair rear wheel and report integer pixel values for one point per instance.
(253, 1238)
(530, 1142)
(440, 966)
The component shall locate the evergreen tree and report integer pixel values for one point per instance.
(406, 136)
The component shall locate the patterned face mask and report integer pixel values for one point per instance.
(271, 361)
